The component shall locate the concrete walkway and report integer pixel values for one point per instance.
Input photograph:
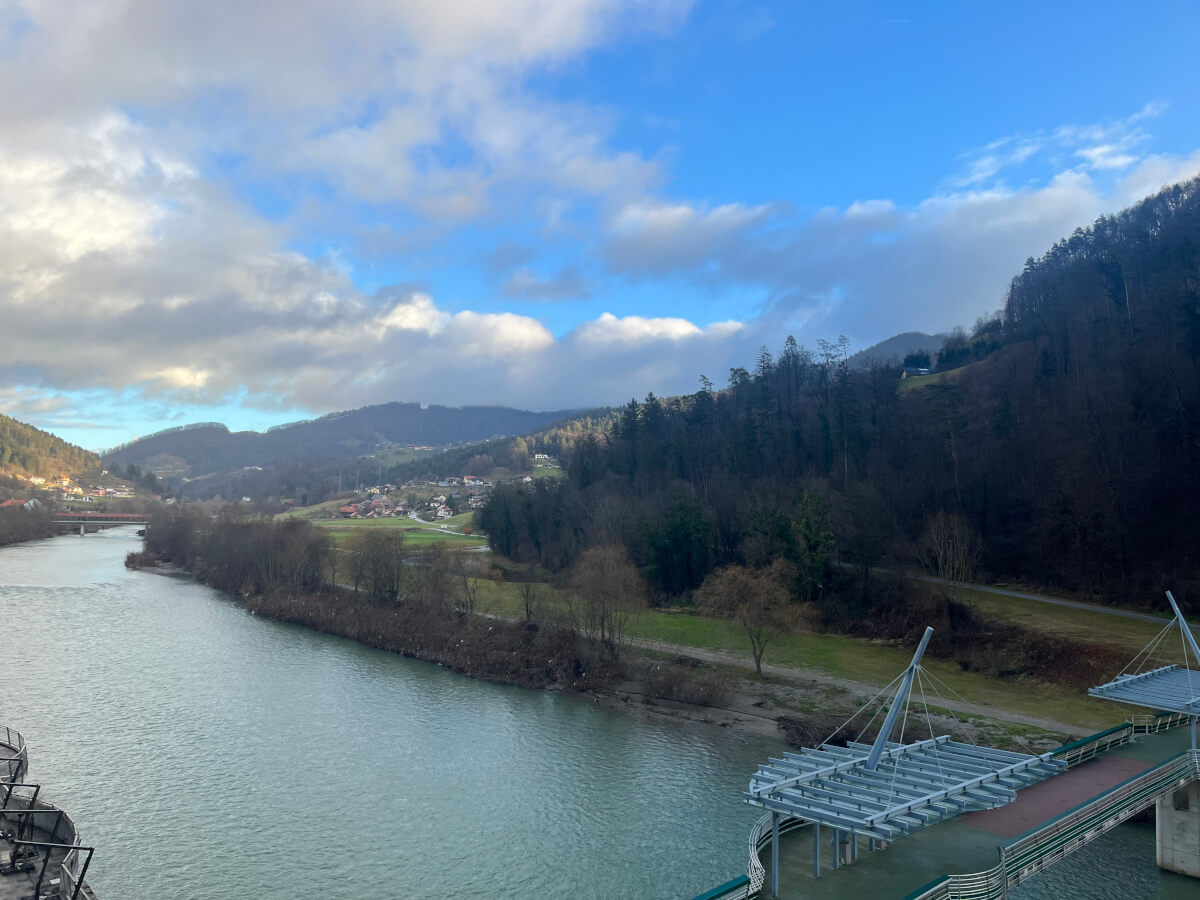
(967, 843)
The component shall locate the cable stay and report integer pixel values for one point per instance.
(892, 786)
(1169, 688)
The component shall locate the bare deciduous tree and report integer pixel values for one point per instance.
(949, 547)
(605, 590)
(377, 561)
(757, 599)
(531, 599)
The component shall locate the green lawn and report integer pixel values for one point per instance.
(549, 472)
(833, 655)
(414, 535)
(317, 511)
(458, 522)
(948, 377)
(1064, 621)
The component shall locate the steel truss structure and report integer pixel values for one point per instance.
(913, 785)
(1171, 688)
(885, 790)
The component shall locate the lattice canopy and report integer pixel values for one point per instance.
(1173, 688)
(911, 787)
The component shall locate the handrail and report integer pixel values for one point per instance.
(1028, 854)
(994, 882)
(74, 866)
(13, 768)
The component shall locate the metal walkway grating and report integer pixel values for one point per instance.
(912, 786)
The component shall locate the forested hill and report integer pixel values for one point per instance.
(211, 447)
(894, 349)
(1063, 432)
(25, 450)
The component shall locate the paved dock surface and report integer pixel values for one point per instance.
(967, 843)
(21, 884)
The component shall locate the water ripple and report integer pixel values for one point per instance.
(211, 754)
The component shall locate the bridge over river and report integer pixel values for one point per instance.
(94, 521)
(854, 820)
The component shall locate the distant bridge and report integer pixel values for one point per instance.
(97, 520)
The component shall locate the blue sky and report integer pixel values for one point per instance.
(257, 213)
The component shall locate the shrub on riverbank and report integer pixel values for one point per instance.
(141, 560)
(685, 680)
(20, 524)
(494, 649)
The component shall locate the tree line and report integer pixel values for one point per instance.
(25, 449)
(1058, 449)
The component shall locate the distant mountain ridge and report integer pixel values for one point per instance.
(211, 447)
(895, 348)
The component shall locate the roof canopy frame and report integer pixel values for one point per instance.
(886, 789)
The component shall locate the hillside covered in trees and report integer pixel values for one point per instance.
(1057, 446)
(210, 447)
(25, 450)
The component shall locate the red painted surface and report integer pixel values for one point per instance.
(104, 517)
(1056, 795)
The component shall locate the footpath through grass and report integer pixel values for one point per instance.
(832, 655)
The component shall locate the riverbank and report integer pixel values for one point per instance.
(442, 608)
(798, 709)
(403, 773)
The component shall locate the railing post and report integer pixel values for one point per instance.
(774, 854)
(816, 849)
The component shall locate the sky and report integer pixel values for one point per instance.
(254, 213)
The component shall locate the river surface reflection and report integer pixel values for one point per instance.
(209, 753)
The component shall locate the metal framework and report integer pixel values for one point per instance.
(1173, 688)
(914, 785)
(885, 790)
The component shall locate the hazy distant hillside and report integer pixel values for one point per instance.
(211, 447)
(894, 349)
(28, 450)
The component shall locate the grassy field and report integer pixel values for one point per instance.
(549, 472)
(414, 535)
(832, 655)
(317, 511)
(911, 384)
(1062, 621)
(459, 522)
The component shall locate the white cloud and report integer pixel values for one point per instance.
(656, 237)
(608, 330)
(875, 269)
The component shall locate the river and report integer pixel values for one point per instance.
(209, 753)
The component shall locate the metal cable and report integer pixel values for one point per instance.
(879, 694)
(937, 753)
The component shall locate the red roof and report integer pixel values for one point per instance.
(13, 502)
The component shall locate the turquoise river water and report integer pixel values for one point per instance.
(209, 753)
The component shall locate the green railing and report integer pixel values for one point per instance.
(1034, 851)
(992, 883)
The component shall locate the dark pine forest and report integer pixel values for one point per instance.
(1056, 442)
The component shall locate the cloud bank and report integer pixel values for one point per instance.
(140, 257)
